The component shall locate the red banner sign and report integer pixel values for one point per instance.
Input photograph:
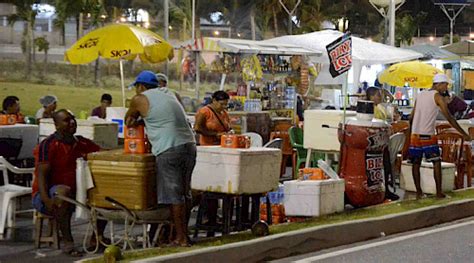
(340, 55)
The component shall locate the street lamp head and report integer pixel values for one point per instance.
(384, 3)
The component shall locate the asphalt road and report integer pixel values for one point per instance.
(453, 242)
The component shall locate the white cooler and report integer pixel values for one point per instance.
(427, 178)
(319, 138)
(313, 197)
(236, 171)
(102, 132)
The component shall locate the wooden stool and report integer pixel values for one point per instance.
(53, 232)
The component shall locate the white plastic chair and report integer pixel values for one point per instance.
(255, 139)
(396, 143)
(8, 193)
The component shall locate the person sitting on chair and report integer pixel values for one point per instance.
(101, 111)
(55, 170)
(11, 105)
(49, 103)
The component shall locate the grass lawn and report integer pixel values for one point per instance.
(76, 99)
(364, 213)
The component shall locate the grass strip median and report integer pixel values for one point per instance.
(355, 214)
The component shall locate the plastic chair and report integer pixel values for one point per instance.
(8, 193)
(395, 146)
(286, 149)
(442, 127)
(400, 126)
(296, 139)
(275, 143)
(451, 151)
(255, 139)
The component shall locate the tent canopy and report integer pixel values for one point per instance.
(364, 52)
(434, 52)
(464, 48)
(212, 44)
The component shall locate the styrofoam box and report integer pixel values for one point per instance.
(313, 197)
(427, 178)
(319, 138)
(236, 171)
(102, 132)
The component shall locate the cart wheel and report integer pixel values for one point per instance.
(260, 228)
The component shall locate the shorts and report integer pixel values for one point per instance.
(38, 203)
(426, 145)
(174, 168)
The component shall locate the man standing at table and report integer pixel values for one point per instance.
(173, 144)
(423, 140)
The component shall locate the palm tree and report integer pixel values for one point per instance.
(25, 12)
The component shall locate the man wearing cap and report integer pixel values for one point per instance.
(173, 144)
(49, 103)
(423, 140)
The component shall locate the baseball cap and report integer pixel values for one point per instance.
(161, 76)
(440, 78)
(146, 77)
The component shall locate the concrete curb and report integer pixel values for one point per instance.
(321, 237)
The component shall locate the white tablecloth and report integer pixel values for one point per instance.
(27, 132)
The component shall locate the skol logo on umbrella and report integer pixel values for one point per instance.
(91, 42)
(120, 53)
(411, 79)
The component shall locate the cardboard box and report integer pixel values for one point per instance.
(313, 198)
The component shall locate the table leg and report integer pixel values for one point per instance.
(269, 210)
(308, 158)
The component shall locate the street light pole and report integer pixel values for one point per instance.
(167, 20)
(391, 11)
(193, 18)
(392, 5)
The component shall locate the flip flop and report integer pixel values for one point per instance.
(176, 244)
(73, 252)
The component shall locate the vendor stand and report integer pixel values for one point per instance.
(257, 101)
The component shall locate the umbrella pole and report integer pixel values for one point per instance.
(344, 96)
(122, 81)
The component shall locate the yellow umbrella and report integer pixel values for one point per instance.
(414, 73)
(120, 41)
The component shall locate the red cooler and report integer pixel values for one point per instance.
(362, 144)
